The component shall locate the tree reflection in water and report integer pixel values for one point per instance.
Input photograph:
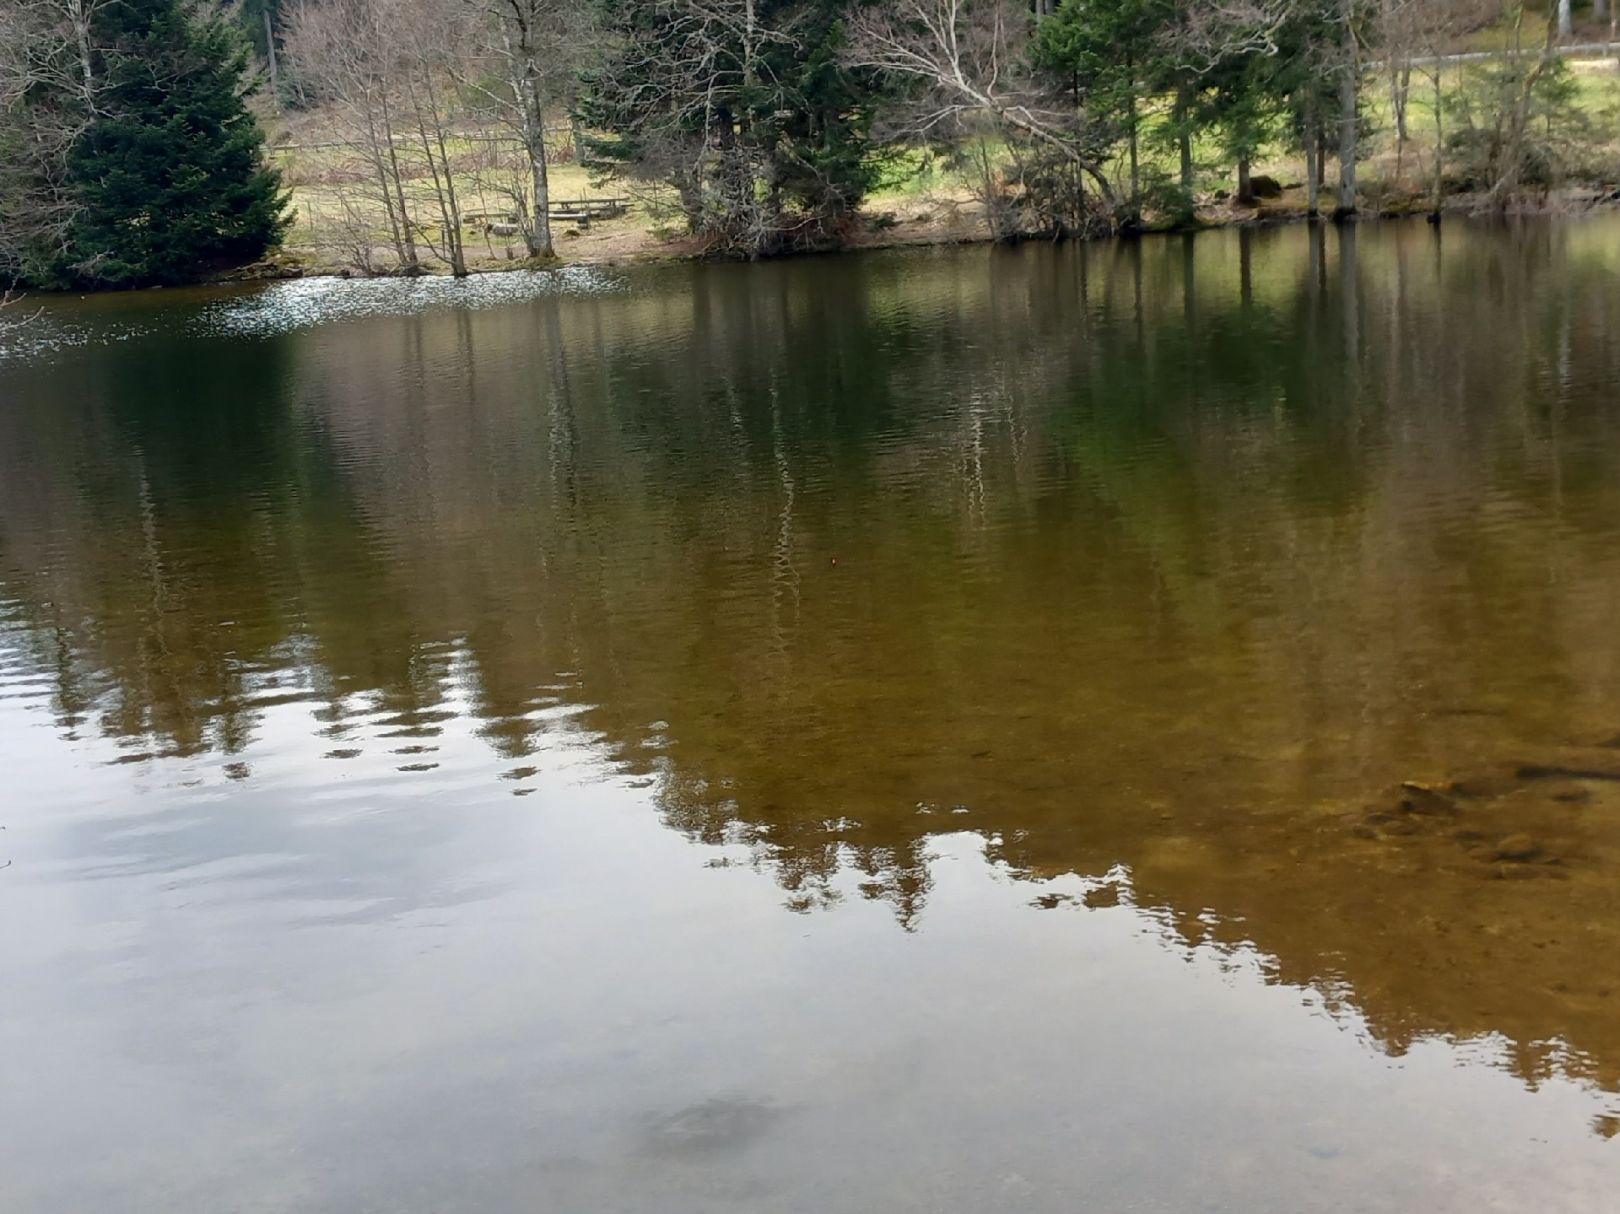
(1159, 566)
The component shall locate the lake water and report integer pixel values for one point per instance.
(918, 731)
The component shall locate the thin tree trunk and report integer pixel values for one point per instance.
(538, 236)
(270, 58)
(398, 225)
(1184, 139)
(1313, 166)
(447, 251)
(1321, 155)
(79, 16)
(1439, 147)
(1507, 185)
(1346, 207)
(410, 263)
(1136, 159)
(540, 183)
(449, 205)
(1400, 92)
(1245, 181)
(1403, 92)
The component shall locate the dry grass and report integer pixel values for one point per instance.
(339, 224)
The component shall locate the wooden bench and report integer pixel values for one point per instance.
(584, 210)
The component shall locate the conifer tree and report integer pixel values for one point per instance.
(169, 176)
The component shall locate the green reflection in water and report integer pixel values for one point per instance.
(1167, 560)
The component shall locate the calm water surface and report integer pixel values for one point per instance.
(918, 731)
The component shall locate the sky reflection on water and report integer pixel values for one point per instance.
(918, 731)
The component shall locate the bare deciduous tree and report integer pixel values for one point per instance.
(49, 94)
(965, 60)
(1417, 36)
(431, 37)
(523, 58)
(385, 69)
(1210, 33)
(717, 99)
(1349, 76)
(1526, 70)
(11, 321)
(344, 51)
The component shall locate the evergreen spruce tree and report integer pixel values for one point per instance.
(169, 178)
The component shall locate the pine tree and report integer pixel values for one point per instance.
(170, 177)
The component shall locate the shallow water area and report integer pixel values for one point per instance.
(1111, 727)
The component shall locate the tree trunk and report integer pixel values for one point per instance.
(1080, 218)
(1245, 182)
(1512, 157)
(1136, 160)
(1184, 139)
(1566, 19)
(79, 17)
(451, 205)
(444, 190)
(1346, 207)
(520, 42)
(1439, 147)
(1313, 166)
(270, 58)
(410, 263)
(537, 236)
(398, 225)
(1400, 89)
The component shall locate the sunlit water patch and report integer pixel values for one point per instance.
(28, 332)
(306, 302)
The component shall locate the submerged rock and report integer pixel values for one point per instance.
(1102, 896)
(1570, 794)
(1517, 848)
(1596, 763)
(1421, 799)
(1512, 819)
(1483, 786)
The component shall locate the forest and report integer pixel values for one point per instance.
(153, 141)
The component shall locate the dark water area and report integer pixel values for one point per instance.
(1111, 728)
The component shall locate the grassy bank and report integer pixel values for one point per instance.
(920, 198)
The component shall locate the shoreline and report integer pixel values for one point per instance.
(647, 249)
(1570, 203)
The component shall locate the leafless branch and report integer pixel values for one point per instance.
(964, 58)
